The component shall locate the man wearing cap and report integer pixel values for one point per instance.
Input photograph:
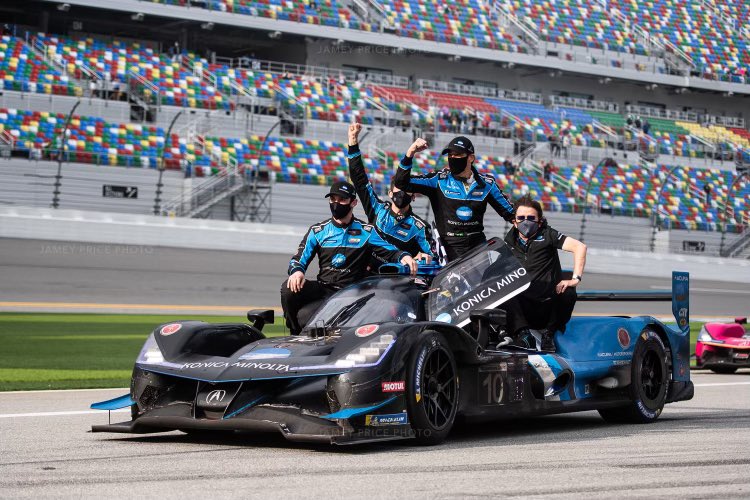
(394, 220)
(343, 245)
(459, 195)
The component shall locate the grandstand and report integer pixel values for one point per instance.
(658, 87)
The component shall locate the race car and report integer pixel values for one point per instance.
(723, 347)
(397, 357)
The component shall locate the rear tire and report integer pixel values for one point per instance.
(649, 380)
(724, 370)
(432, 389)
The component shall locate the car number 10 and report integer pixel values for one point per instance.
(492, 388)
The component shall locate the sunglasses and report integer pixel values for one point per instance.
(526, 217)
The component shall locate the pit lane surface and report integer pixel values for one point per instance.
(72, 277)
(698, 448)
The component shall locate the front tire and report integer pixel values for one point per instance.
(432, 389)
(649, 380)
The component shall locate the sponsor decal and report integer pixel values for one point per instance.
(366, 330)
(454, 193)
(477, 193)
(487, 292)
(278, 367)
(399, 386)
(411, 315)
(683, 317)
(402, 233)
(464, 213)
(354, 232)
(338, 260)
(216, 396)
(418, 375)
(268, 353)
(354, 241)
(170, 329)
(392, 419)
(623, 337)
(443, 318)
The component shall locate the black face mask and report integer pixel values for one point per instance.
(528, 228)
(457, 165)
(401, 199)
(340, 211)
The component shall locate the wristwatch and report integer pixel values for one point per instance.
(576, 277)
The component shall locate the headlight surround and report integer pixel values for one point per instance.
(150, 353)
(367, 354)
(704, 336)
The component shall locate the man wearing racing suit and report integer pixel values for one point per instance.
(459, 195)
(394, 220)
(343, 245)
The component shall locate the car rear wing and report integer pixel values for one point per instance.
(680, 297)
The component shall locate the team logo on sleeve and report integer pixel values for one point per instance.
(464, 213)
(338, 260)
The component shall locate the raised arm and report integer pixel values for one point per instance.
(370, 200)
(422, 184)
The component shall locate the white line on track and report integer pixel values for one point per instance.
(697, 289)
(722, 384)
(63, 391)
(101, 412)
(58, 413)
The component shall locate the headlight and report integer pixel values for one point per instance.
(704, 336)
(368, 354)
(150, 354)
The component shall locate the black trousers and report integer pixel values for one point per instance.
(299, 307)
(552, 312)
(455, 247)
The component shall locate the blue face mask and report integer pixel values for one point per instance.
(528, 228)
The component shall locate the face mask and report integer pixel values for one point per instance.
(457, 165)
(401, 199)
(528, 228)
(339, 211)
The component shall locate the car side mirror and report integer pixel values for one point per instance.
(260, 317)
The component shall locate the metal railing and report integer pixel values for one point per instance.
(668, 114)
(580, 103)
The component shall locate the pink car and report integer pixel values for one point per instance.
(723, 347)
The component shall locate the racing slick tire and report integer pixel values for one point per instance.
(431, 389)
(724, 370)
(649, 381)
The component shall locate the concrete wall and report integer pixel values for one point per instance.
(90, 227)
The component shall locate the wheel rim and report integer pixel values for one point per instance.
(439, 379)
(652, 378)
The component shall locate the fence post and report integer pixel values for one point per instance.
(60, 153)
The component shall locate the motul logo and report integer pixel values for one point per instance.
(394, 386)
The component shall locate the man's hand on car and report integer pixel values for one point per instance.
(423, 257)
(354, 130)
(296, 281)
(408, 260)
(417, 146)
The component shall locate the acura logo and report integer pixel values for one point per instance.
(216, 396)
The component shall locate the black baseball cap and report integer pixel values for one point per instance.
(343, 189)
(459, 145)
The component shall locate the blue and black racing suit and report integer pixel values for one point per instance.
(405, 231)
(459, 208)
(343, 256)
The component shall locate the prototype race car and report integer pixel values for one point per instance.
(723, 347)
(395, 357)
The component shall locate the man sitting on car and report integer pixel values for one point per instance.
(548, 303)
(344, 245)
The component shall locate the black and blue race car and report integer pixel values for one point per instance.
(396, 357)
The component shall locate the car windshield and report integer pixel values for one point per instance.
(375, 300)
(482, 280)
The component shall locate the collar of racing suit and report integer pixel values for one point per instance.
(397, 216)
(474, 175)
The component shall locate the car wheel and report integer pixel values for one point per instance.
(724, 370)
(432, 389)
(649, 378)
